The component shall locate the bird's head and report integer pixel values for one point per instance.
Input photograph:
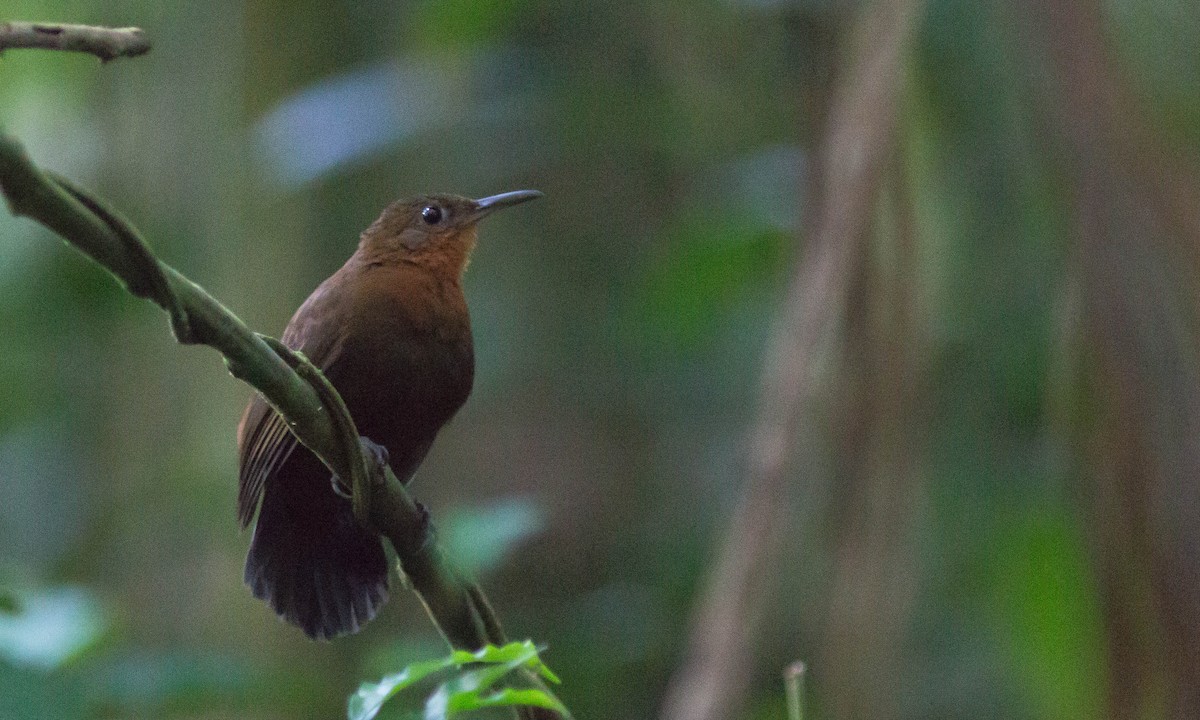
(435, 231)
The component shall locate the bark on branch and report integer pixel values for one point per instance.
(290, 383)
(105, 43)
(456, 605)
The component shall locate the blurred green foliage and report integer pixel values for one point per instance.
(619, 330)
(48, 629)
(479, 539)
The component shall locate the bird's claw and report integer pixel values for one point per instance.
(379, 454)
(339, 488)
(425, 533)
(379, 458)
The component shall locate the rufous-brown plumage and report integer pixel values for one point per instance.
(390, 330)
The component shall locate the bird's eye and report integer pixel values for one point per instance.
(431, 214)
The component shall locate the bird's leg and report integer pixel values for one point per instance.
(378, 453)
(379, 458)
(375, 464)
(425, 535)
(339, 487)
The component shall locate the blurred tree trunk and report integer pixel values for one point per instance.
(878, 484)
(852, 161)
(1135, 226)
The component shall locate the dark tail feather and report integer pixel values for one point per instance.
(314, 565)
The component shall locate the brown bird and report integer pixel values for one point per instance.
(390, 330)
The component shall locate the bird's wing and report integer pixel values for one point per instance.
(265, 443)
(264, 440)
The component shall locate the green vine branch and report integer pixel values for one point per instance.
(293, 386)
(290, 383)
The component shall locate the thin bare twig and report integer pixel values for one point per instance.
(105, 43)
(711, 682)
(793, 684)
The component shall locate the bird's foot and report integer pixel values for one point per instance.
(378, 458)
(339, 488)
(379, 454)
(425, 531)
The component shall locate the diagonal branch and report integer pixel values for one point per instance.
(105, 43)
(292, 385)
(451, 600)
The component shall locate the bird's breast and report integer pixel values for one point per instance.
(407, 360)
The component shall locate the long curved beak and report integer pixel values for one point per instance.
(488, 205)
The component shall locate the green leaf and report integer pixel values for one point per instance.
(470, 688)
(545, 672)
(524, 650)
(506, 697)
(370, 697)
(493, 654)
(455, 694)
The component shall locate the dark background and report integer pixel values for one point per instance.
(991, 506)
